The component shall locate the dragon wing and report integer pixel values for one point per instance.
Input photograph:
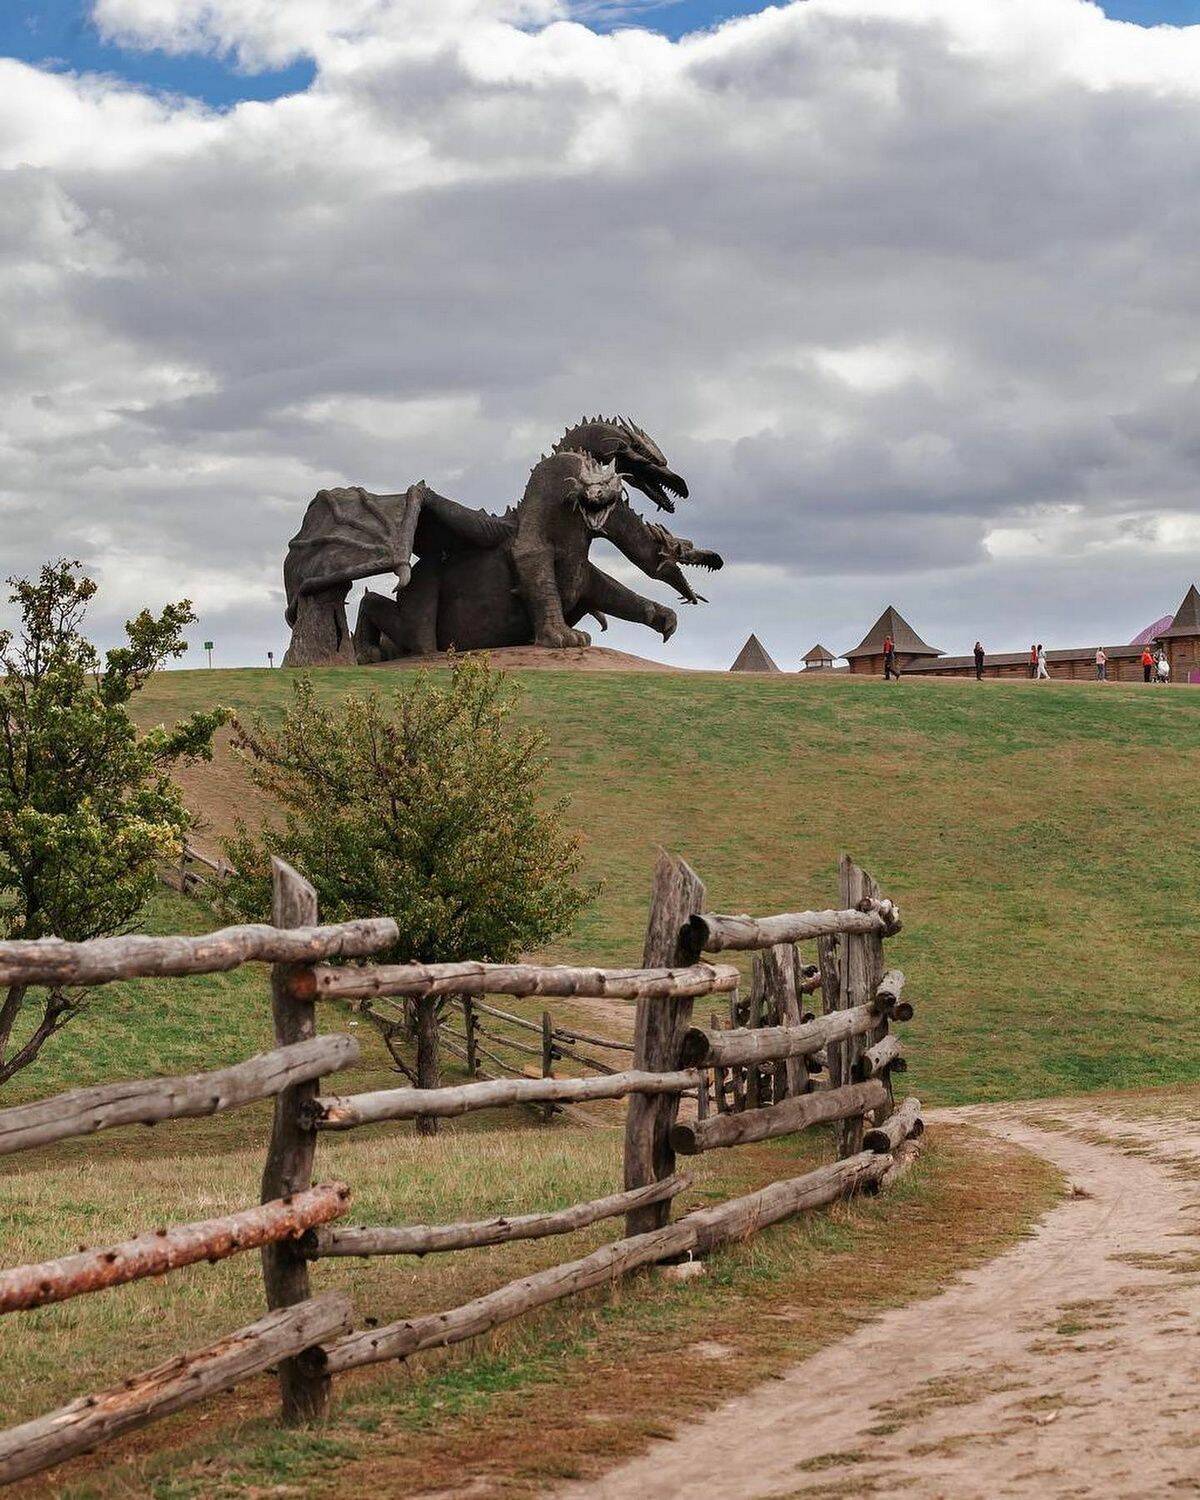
(348, 534)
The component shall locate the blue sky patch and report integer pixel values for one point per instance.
(59, 34)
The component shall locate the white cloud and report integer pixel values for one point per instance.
(905, 288)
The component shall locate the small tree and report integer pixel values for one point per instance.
(425, 806)
(87, 805)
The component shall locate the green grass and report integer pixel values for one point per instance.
(1043, 840)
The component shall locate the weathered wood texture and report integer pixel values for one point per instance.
(889, 989)
(144, 1101)
(424, 1239)
(677, 894)
(693, 1136)
(102, 960)
(710, 932)
(905, 1122)
(288, 1168)
(904, 1158)
(169, 1249)
(704, 1230)
(652, 981)
(884, 1057)
(740, 1217)
(435, 1330)
(333, 1113)
(860, 975)
(727, 1049)
(89, 1421)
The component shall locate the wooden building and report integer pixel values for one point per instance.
(911, 650)
(1180, 639)
(819, 659)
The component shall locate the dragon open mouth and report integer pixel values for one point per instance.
(662, 486)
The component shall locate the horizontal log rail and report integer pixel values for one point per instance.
(886, 1056)
(406, 1104)
(507, 1015)
(699, 1231)
(102, 960)
(146, 1101)
(728, 1049)
(904, 1123)
(187, 1378)
(165, 1250)
(560, 1033)
(524, 979)
(424, 1239)
(711, 932)
(689, 1137)
(569, 1034)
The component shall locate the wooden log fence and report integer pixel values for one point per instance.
(88, 1421)
(648, 982)
(168, 1249)
(425, 1239)
(689, 1138)
(776, 1070)
(347, 1113)
(145, 1102)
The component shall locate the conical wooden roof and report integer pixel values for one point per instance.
(753, 657)
(907, 641)
(1187, 616)
(819, 653)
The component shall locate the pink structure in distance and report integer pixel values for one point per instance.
(1151, 633)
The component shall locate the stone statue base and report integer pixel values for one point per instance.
(321, 636)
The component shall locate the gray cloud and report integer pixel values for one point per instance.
(906, 290)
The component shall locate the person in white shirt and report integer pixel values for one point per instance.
(1042, 669)
(1163, 666)
(1101, 664)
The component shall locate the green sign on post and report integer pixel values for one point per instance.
(208, 646)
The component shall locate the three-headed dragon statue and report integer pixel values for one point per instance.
(479, 580)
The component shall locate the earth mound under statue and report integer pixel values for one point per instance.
(481, 580)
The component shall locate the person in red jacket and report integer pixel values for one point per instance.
(1147, 663)
(1033, 661)
(889, 658)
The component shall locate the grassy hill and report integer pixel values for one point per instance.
(1042, 838)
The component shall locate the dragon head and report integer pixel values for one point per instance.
(595, 491)
(638, 458)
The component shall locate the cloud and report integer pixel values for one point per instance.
(904, 287)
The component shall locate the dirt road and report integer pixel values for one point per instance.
(1069, 1366)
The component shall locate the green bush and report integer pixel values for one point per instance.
(425, 806)
(87, 805)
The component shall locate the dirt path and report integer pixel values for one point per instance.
(1068, 1367)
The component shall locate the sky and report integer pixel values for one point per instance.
(905, 288)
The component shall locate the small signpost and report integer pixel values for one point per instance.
(270, 658)
(208, 646)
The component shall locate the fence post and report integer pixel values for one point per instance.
(303, 1385)
(547, 1059)
(678, 893)
(859, 973)
(779, 969)
(470, 1021)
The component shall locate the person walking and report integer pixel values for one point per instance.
(1163, 667)
(978, 661)
(1147, 663)
(1042, 669)
(1033, 661)
(1101, 664)
(889, 658)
